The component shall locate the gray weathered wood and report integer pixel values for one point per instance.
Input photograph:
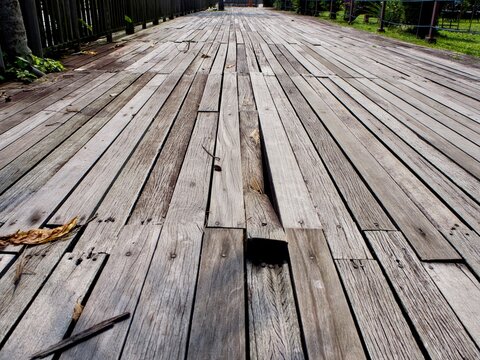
(385, 331)
(327, 323)
(439, 329)
(218, 322)
(226, 201)
(117, 290)
(55, 304)
(462, 291)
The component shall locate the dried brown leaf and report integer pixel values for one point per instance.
(77, 310)
(38, 236)
(255, 135)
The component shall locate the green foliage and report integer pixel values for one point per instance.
(128, 19)
(277, 4)
(87, 25)
(297, 6)
(21, 68)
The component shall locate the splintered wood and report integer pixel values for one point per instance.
(243, 184)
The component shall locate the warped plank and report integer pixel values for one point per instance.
(289, 190)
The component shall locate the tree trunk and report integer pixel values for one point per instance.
(13, 37)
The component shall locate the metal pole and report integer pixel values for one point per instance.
(430, 37)
(333, 15)
(155, 12)
(130, 27)
(382, 17)
(108, 21)
(32, 27)
(350, 14)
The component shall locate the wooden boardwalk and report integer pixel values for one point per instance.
(265, 186)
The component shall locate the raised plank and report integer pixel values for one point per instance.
(341, 232)
(462, 291)
(289, 190)
(218, 320)
(327, 323)
(116, 291)
(384, 329)
(438, 327)
(226, 201)
(169, 287)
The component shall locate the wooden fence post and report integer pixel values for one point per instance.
(75, 22)
(382, 17)
(155, 12)
(30, 19)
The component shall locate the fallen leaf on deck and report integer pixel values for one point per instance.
(38, 236)
(230, 66)
(113, 95)
(205, 56)
(255, 136)
(77, 311)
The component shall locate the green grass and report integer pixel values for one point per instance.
(454, 41)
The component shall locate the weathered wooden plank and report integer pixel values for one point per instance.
(327, 324)
(148, 129)
(117, 290)
(273, 322)
(5, 261)
(462, 291)
(154, 199)
(63, 291)
(218, 320)
(439, 329)
(211, 96)
(170, 283)
(262, 221)
(35, 211)
(289, 190)
(341, 232)
(366, 209)
(226, 201)
(35, 267)
(384, 329)
(428, 242)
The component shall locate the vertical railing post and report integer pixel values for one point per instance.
(32, 27)
(130, 27)
(108, 20)
(2, 64)
(75, 22)
(350, 13)
(430, 37)
(333, 14)
(382, 17)
(155, 12)
(144, 14)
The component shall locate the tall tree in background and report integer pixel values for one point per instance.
(12, 29)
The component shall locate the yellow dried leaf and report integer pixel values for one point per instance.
(38, 236)
(255, 135)
(77, 311)
(255, 185)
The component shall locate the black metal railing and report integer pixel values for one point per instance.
(53, 24)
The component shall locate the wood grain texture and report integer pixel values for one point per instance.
(117, 290)
(439, 329)
(327, 323)
(226, 202)
(289, 190)
(384, 329)
(462, 291)
(161, 321)
(218, 322)
(55, 303)
(273, 323)
(341, 232)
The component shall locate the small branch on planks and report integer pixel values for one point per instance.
(81, 336)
